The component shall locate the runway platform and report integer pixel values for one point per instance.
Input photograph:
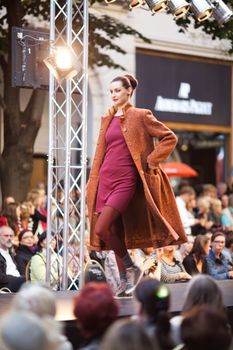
(127, 306)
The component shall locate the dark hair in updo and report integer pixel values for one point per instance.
(127, 81)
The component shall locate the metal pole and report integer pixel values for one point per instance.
(84, 139)
(50, 150)
(67, 111)
(67, 155)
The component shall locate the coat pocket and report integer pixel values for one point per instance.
(153, 180)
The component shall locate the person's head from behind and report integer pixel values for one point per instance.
(126, 335)
(154, 298)
(23, 331)
(36, 298)
(95, 309)
(122, 88)
(205, 328)
(203, 290)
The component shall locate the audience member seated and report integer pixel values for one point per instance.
(9, 217)
(215, 213)
(38, 263)
(127, 335)
(228, 251)
(25, 250)
(172, 270)
(95, 309)
(195, 262)
(203, 224)
(154, 299)
(186, 194)
(148, 259)
(39, 216)
(39, 300)
(224, 200)
(209, 190)
(9, 274)
(25, 222)
(205, 328)
(201, 290)
(227, 215)
(217, 265)
(185, 248)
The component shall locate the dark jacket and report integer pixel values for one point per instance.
(37, 217)
(23, 255)
(3, 275)
(191, 267)
(11, 282)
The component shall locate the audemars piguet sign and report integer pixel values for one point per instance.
(184, 91)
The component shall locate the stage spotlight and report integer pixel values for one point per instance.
(221, 12)
(178, 7)
(61, 63)
(202, 9)
(135, 3)
(156, 5)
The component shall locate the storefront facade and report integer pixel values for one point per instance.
(193, 97)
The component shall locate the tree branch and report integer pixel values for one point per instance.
(35, 106)
(2, 103)
(3, 63)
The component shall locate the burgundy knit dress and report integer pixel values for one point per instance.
(118, 175)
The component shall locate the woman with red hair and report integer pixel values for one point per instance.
(95, 309)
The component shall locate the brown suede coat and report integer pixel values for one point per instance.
(152, 217)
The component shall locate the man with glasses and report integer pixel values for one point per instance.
(9, 274)
(217, 265)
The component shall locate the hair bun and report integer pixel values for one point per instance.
(133, 81)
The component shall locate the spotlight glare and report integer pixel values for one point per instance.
(61, 64)
(135, 3)
(202, 9)
(221, 12)
(63, 58)
(156, 5)
(178, 7)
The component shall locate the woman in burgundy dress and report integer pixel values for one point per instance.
(118, 182)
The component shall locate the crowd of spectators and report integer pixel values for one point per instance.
(207, 218)
(206, 214)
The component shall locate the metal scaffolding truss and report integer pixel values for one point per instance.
(67, 147)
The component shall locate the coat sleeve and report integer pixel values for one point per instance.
(166, 139)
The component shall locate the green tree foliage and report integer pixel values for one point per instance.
(21, 126)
